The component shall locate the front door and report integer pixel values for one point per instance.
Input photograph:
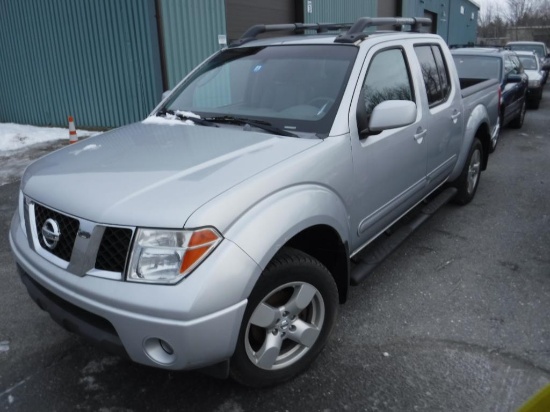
(389, 167)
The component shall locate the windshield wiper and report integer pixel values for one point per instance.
(260, 124)
(197, 120)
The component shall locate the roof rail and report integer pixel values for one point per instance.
(254, 31)
(356, 32)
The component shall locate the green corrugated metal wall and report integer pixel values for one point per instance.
(343, 11)
(190, 30)
(96, 60)
(462, 27)
(454, 27)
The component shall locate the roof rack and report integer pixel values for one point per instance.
(254, 31)
(356, 32)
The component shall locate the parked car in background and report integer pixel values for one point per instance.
(505, 66)
(533, 68)
(537, 47)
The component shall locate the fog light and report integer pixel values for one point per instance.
(159, 351)
(166, 347)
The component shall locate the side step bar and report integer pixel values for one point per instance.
(366, 261)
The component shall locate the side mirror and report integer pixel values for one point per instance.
(392, 114)
(165, 94)
(546, 65)
(514, 78)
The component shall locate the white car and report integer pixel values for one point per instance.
(532, 66)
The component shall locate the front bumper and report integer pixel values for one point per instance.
(199, 318)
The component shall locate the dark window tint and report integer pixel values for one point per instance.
(443, 72)
(388, 78)
(478, 67)
(434, 72)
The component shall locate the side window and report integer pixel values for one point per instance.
(443, 72)
(434, 73)
(517, 64)
(509, 65)
(388, 78)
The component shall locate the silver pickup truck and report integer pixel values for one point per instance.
(223, 231)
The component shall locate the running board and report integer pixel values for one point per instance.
(368, 259)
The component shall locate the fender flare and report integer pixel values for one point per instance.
(267, 226)
(478, 117)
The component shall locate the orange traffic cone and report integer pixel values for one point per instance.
(73, 138)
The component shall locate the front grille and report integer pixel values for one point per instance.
(68, 228)
(113, 249)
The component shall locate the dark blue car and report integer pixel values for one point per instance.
(503, 65)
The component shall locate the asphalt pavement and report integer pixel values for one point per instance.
(457, 319)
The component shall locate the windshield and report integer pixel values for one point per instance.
(538, 49)
(529, 62)
(478, 67)
(295, 88)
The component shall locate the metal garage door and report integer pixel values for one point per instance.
(388, 8)
(241, 14)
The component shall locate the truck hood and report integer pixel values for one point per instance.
(152, 175)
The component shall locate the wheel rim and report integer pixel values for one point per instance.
(473, 171)
(284, 326)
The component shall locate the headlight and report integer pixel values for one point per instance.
(534, 83)
(167, 256)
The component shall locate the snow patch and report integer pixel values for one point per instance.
(17, 136)
(4, 346)
(98, 367)
(169, 120)
(89, 383)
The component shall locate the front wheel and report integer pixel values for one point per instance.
(468, 180)
(289, 317)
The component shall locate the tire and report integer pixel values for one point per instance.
(468, 180)
(289, 317)
(495, 141)
(517, 123)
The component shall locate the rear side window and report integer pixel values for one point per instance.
(434, 72)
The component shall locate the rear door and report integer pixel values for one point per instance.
(444, 117)
(513, 93)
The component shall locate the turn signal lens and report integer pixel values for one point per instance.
(202, 242)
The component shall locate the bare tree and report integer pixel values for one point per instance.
(519, 11)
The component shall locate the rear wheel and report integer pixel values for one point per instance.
(468, 180)
(289, 317)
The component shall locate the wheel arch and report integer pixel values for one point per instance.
(311, 218)
(476, 127)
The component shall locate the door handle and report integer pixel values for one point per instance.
(419, 136)
(455, 116)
